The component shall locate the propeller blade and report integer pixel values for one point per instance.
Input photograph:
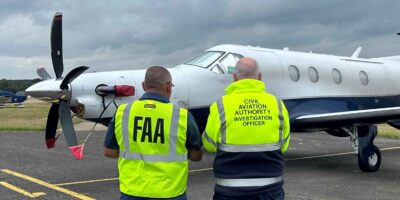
(68, 130)
(51, 126)
(72, 75)
(56, 44)
(42, 73)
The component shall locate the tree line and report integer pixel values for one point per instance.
(17, 85)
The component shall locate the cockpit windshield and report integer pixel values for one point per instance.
(205, 59)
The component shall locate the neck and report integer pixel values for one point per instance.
(152, 90)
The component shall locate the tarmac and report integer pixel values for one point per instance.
(317, 166)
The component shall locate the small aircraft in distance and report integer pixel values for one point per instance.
(9, 97)
(343, 96)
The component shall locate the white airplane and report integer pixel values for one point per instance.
(344, 96)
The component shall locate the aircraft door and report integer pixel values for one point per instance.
(271, 71)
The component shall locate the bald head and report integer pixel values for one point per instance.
(247, 68)
(158, 80)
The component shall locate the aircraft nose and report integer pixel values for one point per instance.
(48, 90)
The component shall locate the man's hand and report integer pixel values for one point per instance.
(195, 155)
(111, 153)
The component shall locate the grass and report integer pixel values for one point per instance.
(387, 131)
(32, 117)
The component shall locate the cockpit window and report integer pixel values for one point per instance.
(205, 59)
(229, 61)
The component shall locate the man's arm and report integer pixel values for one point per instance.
(286, 129)
(111, 148)
(212, 132)
(193, 140)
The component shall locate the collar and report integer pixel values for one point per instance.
(246, 86)
(154, 96)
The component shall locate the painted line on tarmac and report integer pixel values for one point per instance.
(336, 154)
(48, 185)
(209, 169)
(319, 156)
(21, 191)
(114, 179)
(89, 181)
(200, 170)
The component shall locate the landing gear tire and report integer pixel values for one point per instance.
(372, 162)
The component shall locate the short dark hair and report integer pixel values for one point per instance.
(156, 76)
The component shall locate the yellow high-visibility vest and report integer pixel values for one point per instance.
(247, 117)
(153, 158)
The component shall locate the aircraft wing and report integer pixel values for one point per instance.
(348, 118)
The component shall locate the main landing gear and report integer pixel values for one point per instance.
(362, 139)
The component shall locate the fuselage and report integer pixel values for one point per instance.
(308, 83)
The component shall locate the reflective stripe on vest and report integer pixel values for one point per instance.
(247, 148)
(248, 182)
(172, 155)
(221, 112)
(207, 137)
(280, 120)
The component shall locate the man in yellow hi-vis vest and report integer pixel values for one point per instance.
(249, 131)
(152, 139)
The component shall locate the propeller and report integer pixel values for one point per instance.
(61, 110)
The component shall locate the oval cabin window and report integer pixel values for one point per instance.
(336, 76)
(294, 73)
(313, 74)
(363, 77)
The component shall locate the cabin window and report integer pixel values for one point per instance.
(217, 69)
(336, 76)
(294, 73)
(205, 59)
(313, 74)
(229, 62)
(363, 77)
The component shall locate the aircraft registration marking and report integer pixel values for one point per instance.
(48, 185)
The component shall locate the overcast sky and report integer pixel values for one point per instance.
(120, 35)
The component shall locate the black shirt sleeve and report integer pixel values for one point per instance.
(110, 141)
(193, 137)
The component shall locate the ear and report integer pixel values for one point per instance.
(144, 88)
(169, 88)
(235, 77)
(168, 91)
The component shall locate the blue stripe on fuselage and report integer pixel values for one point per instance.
(307, 106)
